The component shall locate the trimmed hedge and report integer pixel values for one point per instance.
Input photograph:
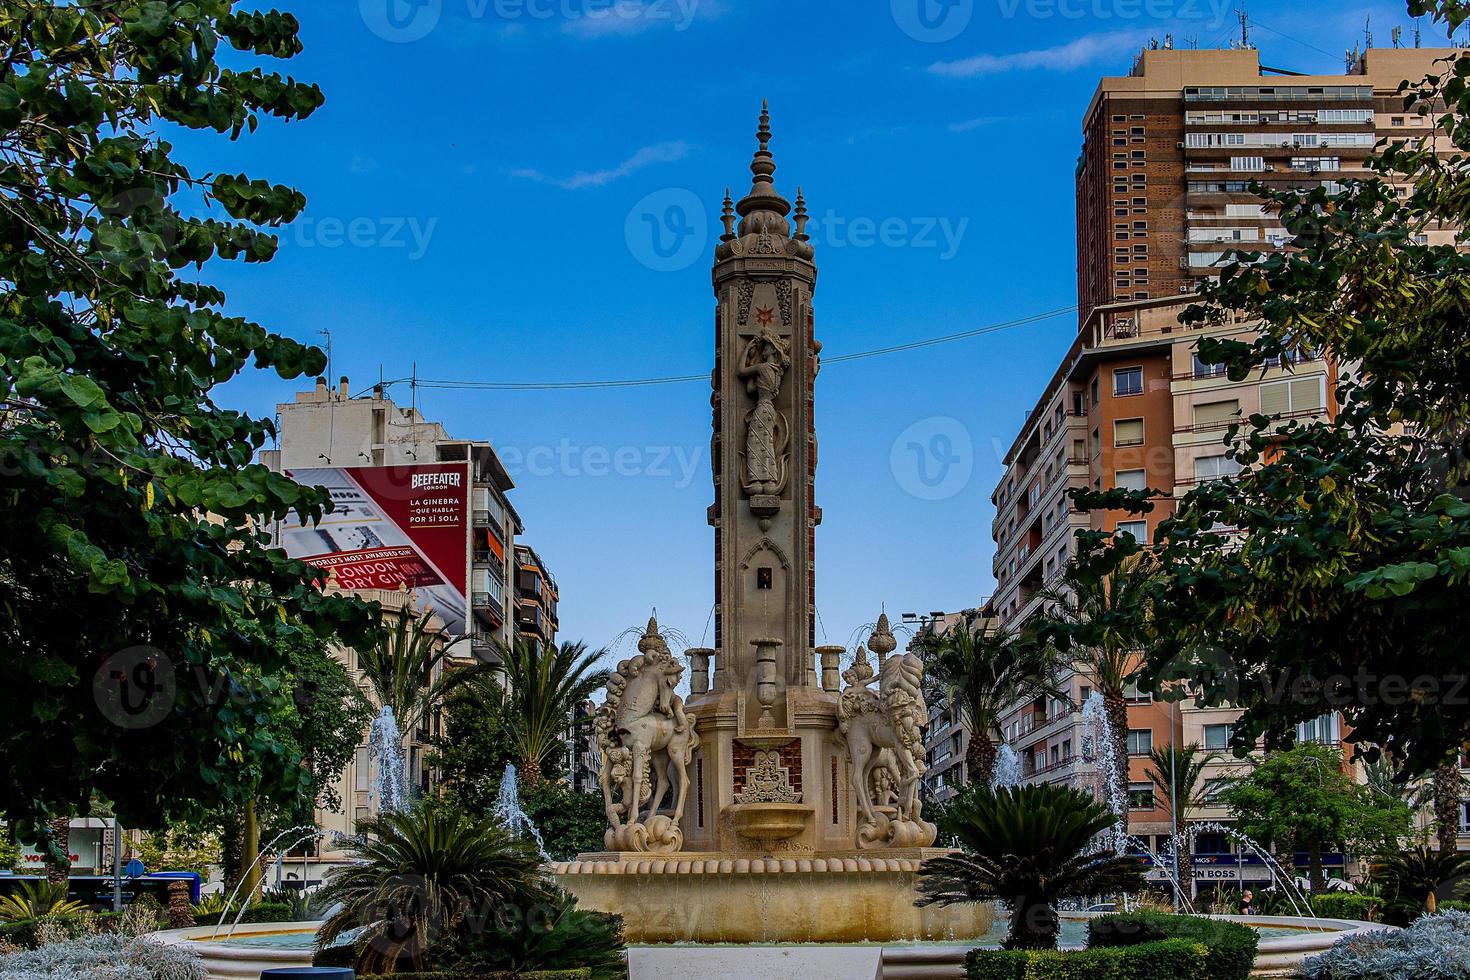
(1346, 905)
(1167, 959)
(259, 912)
(538, 975)
(1231, 947)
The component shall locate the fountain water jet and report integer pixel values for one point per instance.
(508, 811)
(385, 745)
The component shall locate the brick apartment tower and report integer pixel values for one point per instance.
(1169, 149)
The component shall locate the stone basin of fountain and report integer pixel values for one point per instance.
(770, 821)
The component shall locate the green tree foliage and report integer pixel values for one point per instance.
(10, 853)
(543, 685)
(1421, 876)
(131, 509)
(1340, 583)
(1029, 846)
(980, 674)
(472, 750)
(179, 849)
(570, 822)
(1302, 799)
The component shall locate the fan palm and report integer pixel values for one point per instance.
(1421, 873)
(1028, 846)
(1107, 620)
(981, 674)
(544, 683)
(418, 875)
(37, 900)
(1179, 774)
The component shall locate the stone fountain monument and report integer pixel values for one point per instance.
(774, 805)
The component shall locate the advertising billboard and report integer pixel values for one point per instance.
(393, 528)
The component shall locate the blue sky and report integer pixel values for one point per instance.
(485, 184)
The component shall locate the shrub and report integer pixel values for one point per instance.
(1345, 905)
(105, 957)
(556, 936)
(259, 912)
(1231, 946)
(1167, 959)
(24, 934)
(1435, 947)
(38, 900)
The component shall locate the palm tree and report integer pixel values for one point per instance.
(407, 669)
(981, 674)
(1448, 796)
(416, 876)
(60, 834)
(1107, 620)
(544, 683)
(1420, 873)
(1027, 846)
(1179, 774)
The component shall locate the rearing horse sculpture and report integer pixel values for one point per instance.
(643, 732)
(884, 731)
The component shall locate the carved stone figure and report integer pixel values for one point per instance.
(763, 365)
(644, 734)
(883, 731)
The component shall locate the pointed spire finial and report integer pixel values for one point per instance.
(763, 199)
(801, 217)
(727, 217)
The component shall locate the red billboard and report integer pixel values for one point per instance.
(393, 528)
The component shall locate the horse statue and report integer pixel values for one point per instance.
(643, 732)
(884, 734)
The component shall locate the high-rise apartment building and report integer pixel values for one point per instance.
(536, 597)
(325, 429)
(1170, 149)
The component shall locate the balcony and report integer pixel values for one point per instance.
(530, 619)
(484, 601)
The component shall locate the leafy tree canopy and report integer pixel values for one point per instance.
(1331, 574)
(146, 621)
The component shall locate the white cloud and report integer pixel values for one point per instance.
(646, 157)
(965, 125)
(1065, 57)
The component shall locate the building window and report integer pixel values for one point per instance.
(1214, 796)
(1217, 737)
(1323, 730)
(1132, 480)
(1203, 370)
(1128, 381)
(1297, 396)
(1128, 432)
(1140, 741)
(1207, 468)
(1211, 414)
(1140, 797)
(1138, 529)
(1133, 694)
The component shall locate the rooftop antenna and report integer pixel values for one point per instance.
(1367, 34)
(1418, 34)
(328, 334)
(1398, 37)
(1245, 26)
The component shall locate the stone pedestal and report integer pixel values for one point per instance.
(716, 898)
